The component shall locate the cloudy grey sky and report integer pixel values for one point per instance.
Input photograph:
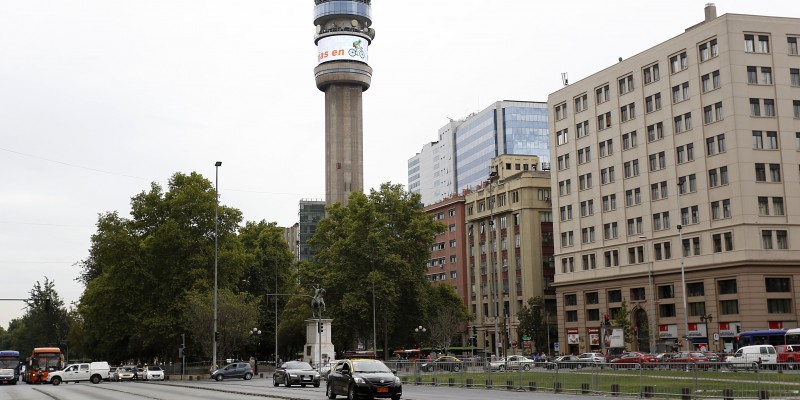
(98, 98)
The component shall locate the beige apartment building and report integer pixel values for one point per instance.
(509, 239)
(683, 159)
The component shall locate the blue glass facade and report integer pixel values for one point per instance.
(526, 131)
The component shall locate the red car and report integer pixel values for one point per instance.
(689, 359)
(635, 359)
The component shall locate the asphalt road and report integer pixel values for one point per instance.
(241, 390)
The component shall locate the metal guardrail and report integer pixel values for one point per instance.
(685, 381)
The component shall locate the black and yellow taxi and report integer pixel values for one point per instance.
(363, 378)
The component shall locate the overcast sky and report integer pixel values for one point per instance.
(98, 98)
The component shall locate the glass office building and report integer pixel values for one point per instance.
(461, 158)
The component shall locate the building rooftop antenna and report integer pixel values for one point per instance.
(564, 79)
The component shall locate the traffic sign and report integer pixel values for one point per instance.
(556, 346)
(526, 337)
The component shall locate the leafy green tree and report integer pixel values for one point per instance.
(45, 322)
(445, 315)
(531, 322)
(292, 328)
(237, 314)
(376, 245)
(268, 269)
(139, 269)
(622, 319)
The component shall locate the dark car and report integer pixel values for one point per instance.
(234, 370)
(635, 359)
(363, 379)
(568, 361)
(295, 372)
(443, 363)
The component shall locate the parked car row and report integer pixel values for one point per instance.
(135, 373)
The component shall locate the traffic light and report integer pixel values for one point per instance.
(216, 336)
(605, 319)
(180, 352)
(738, 329)
(321, 326)
(474, 330)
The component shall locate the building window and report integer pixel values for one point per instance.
(777, 206)
(611, 258)
(570, 300)
(587, 208)
(581, 103)
(779, 306)
(680, 92)
(602, 94)
(610, 231)
(615, 296)
(691, 247)
(607, 175)
(678, 62)
(563, 162)
(589, 261)
(562, 137)
(651, 74)
(625, 84)
(708, 50)
(756, 109)
(687, 184)
(652, 103)
(655, 132)
(685, 153)
(795, 108)
(561, 111)
(756, 43)
(585, 181)
(582, 129)
(710, 81)
(609, 202)
(636, 255)
(715, 145)
(794, 76)
(658, 161)
(722, 242)
(604, 121)
(564, 187)
(661, 221)
(629, 140)
(775, 172)
(635, 226)
(683, 122)
(729, 307)
(631, 168)
(606, 148)
(584, 155)
(658, 191)
(633, 197)
(627, 112)
(792, 42)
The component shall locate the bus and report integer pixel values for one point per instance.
(42, 362)
(793, 336)
(9, 366)
(775, 337)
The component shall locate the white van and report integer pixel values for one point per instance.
(750, 356)
(91, 372)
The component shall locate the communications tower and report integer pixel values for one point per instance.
(343, 36)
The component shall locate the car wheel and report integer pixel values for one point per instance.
(329, 391)
(219, 377)
(248, 376)
(96, 379)
(288, 382)
(526, 367)
(430, 369)
(501, 368)
(316, 384)
(351, 392)
(275, 381)
(56, 381)
(456, 368)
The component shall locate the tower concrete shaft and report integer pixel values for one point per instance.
(343, 73)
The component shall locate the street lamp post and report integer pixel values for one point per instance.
(256, 333)
(493, 286)
(216, 256)
(683, 290)
(705, 319)
(420, 330)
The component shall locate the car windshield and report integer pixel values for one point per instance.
(370, 366)
(297, 365)
(154, 368)
(698, 355)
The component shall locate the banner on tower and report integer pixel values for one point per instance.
(342, 47)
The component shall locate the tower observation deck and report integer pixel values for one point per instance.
(343, 35)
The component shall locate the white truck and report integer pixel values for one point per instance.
(91, 372)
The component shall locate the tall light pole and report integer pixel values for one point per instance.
(683, 290)
(216, 256)
(652, 313)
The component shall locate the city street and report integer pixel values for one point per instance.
(239, 389)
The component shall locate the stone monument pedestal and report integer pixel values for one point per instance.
(318, 343)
